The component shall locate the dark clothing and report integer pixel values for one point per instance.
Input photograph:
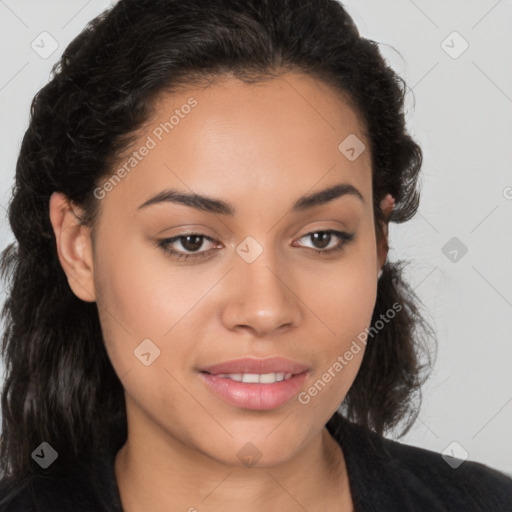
(384, 476)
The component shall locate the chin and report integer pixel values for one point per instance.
(266, 448)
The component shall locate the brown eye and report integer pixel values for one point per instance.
(323, 238)
(190, 242)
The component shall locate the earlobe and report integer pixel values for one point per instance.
(386, 205)
(74, 246)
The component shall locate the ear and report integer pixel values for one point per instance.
(386, 205)
(74, 246)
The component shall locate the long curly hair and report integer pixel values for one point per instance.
(59, 383)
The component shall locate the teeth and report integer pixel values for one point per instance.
(255, 378)
(269, 378)
(251, 378)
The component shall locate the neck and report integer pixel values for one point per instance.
(166, 475)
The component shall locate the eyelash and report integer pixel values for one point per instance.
(165, 244)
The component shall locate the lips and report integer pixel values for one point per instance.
(249, 365)
(258, 384)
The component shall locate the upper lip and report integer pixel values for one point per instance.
(255, 365)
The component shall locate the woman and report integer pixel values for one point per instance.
(201, 208)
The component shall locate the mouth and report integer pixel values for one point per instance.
(256, 378)
(257, 384)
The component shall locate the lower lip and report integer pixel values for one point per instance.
(259, 397)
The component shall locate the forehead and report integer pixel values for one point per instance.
(251, 143)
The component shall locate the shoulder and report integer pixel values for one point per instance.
(51, 493)
(458, 485)
(413, 478)
(41, 494)
(14, 497)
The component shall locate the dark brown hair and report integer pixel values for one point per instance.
(60, 386)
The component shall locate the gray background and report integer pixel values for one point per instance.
(459, 109)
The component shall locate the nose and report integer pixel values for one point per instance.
(261, 297)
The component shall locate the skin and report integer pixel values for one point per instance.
(259, 147)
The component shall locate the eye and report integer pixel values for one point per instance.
(324, 238)
(192, 242)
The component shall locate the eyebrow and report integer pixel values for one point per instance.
(211, 205)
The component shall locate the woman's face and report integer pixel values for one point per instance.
(250, 157)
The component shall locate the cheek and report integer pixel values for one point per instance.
(343, 296)
(342, 355)
(344, 303)
(144, 291)
(143, 297)
(143, 311)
